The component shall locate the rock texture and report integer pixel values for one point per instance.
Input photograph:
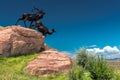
(49, 62)
(16, 40)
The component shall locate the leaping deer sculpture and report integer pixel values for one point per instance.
(44, 30)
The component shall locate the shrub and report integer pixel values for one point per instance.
(99, 69)
(116, 75)
(97, 66)
(82, 58)
(78, 73)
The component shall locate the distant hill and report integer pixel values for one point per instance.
(115, 59)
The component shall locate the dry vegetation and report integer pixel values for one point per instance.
(114, 64)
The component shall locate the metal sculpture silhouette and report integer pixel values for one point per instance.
(31, 17)
(35, 18)
(44, 30)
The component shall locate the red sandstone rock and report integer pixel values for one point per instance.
(16, 40)
(49, 62)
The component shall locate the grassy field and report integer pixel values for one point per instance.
(12, 68)
(114, 64)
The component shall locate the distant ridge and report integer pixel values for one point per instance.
(115, 59)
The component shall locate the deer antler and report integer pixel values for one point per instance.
(35, 8)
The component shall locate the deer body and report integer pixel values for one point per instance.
(31, 17)
(44, 30)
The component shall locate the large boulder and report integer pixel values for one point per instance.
(49, 62)
(16, 40)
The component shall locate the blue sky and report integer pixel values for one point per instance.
(78, 22)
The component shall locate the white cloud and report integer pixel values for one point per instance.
(92, 46)
(107, 51)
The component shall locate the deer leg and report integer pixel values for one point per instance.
(33, 27)
(18, 21)
(31, 24)
(25, 23)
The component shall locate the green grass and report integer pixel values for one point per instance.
(12, 68)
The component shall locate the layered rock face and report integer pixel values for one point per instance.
(49, 62)
(16, 40)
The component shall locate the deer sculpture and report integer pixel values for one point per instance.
(44, 30)
(31, 17)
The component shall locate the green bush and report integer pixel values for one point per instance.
(79, 73)
(82, 58)
(99, 69)
(97, 66)
(116, 75)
